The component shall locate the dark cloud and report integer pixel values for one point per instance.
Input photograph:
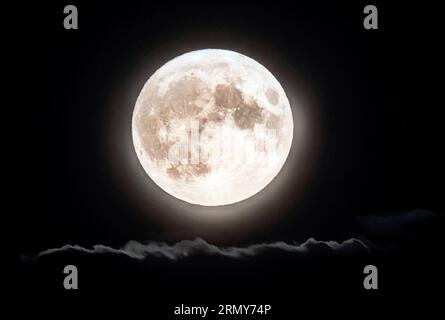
(392, 224)
(187, 248)
(374, 230)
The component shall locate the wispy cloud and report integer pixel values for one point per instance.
(199, 247)
(372, 227)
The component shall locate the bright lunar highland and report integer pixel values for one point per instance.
(212, 127)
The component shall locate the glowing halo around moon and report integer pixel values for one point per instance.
(212, 127)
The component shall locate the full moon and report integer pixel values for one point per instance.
(212, 127)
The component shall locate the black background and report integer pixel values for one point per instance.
(379, 115)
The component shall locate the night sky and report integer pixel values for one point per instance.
(373, 172)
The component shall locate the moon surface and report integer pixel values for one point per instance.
(212, 127)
